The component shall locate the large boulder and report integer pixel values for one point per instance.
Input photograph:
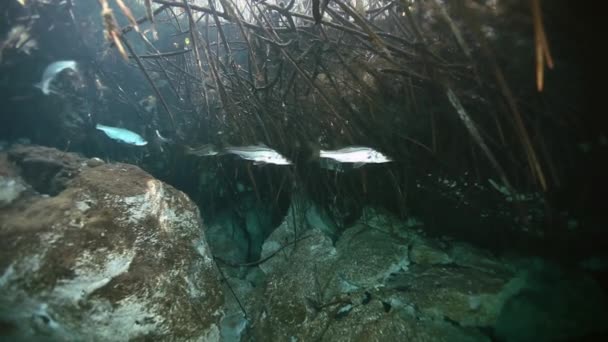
(112, 254)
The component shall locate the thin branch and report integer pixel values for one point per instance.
(150, 81)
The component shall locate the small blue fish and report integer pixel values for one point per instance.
(122, 135)
(51, 71)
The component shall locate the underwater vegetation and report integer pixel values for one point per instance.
(342, 170)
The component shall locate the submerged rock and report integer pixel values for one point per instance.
(93, 162)
(551, 304)
(425, 252)
(46, 170)
(10, 190)
(11, 184)
(114, 255)
(366, 288)
(383, 281)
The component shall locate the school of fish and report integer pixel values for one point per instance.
(260, 154)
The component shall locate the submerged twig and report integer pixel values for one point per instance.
(541, 45)
(113, 34)
(473, 131)
(156, 91)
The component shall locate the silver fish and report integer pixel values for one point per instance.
(259, 154)
(356, 155)
(122, 135)
(206, 150)
(51, 71)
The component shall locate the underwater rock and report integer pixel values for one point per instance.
(316, 216)
(46, 169)
(11, 185)
(426, 252)
(115, 255)
(236, 236)
(367, 288)
(93, 162)
(284, 236)
(10, 190)
(553, 304)
(366, 258)
(468, 297)
(295, 273)
(227, 238)
(373, 322)
(234, 321)
(258, 223)
(285, 309)
(466, 255)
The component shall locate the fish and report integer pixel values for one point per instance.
(51, 71)
(162, 139)
(203, 150)
(357, 155)
(259, 154)
(122, 135)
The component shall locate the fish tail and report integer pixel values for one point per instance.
(220, 150)
(42, 86)
(312, 152)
